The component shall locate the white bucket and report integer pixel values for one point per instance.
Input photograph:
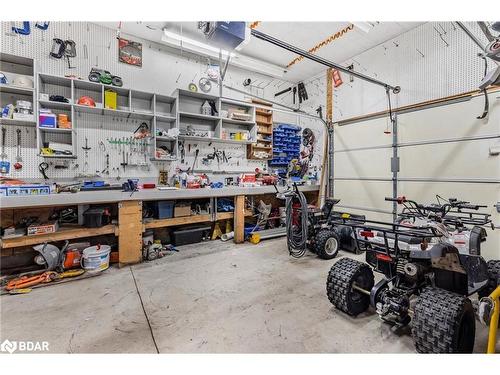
(95, 258)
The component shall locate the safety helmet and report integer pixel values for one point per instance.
(86, 100)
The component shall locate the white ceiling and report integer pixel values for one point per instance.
(304, 35)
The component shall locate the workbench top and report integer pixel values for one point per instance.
(109, 196)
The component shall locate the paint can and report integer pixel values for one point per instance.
(96, 258)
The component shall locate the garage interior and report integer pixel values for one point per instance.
(250, 187)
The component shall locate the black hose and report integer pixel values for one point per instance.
(296, 235)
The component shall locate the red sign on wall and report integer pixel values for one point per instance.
(337, 79)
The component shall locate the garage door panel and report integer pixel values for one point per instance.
(362, 134)
(450, 121)
(469, 159)
(363, 163)
(363, 193)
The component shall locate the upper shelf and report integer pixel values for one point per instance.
(198, 95)
(10, 89)
(199, 116)
(237, 122)
(55, 105)
(55, 80)
(97, 86)
(12, 122)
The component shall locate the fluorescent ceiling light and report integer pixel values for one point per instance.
(363, 26)
(204, 49)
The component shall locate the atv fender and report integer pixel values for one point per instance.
(477, 235)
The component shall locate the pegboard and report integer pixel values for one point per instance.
(431, 61)
(162, 72)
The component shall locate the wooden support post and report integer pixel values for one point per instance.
(130, 232)
(329, 94)
(239, 219)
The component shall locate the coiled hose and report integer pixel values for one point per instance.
(296, 233)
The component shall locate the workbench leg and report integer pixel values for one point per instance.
(129, 232)
(239, 219)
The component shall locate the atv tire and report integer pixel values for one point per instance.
(444, 322)
(494, 278)
(326, 244)
(339, 285)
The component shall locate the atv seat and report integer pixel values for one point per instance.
(412, 240)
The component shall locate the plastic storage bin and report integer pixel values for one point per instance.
(191, 234)
(164, 209)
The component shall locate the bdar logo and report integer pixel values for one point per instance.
(8, 346)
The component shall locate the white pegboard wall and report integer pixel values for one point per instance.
(431, 61)
(420, 62)
(162, 72)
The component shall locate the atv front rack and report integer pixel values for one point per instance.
(466, 217)
(453, 212)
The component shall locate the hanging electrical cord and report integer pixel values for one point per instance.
(485, 91)
(387, 131)
(296, 226)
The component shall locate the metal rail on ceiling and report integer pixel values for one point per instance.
(267, 38)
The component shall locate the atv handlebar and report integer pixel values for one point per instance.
(399, 200)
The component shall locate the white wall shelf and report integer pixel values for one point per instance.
(131, 104)
(12, 122)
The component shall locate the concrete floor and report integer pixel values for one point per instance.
(210, 297)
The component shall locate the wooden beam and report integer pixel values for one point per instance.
(64, 233)
(161, 223)
(130, 232)
(329, 94)
(239, 219)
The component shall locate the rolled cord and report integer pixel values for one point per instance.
(296, 235)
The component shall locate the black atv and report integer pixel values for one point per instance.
(426, 281)
(326, 235)
(317, 229)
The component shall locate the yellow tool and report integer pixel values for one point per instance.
(229, 228)
(46, 151)
(217, 233)
(489, 307)
(254, 238)
(70, 273)
(20, 291)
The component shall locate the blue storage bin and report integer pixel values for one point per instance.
(164, 209)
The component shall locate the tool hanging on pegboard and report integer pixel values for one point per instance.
(42, 168)
(42, 25)
(26, 30)
(4, 164)
(18, 164)
(86, 148)
(302, 92)
(63, 48)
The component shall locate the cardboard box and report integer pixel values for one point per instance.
(182, 209)
(24, 190)
(47, 228)
(23, 116)
(47, 120)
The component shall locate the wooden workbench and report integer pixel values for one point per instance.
(130, 224)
